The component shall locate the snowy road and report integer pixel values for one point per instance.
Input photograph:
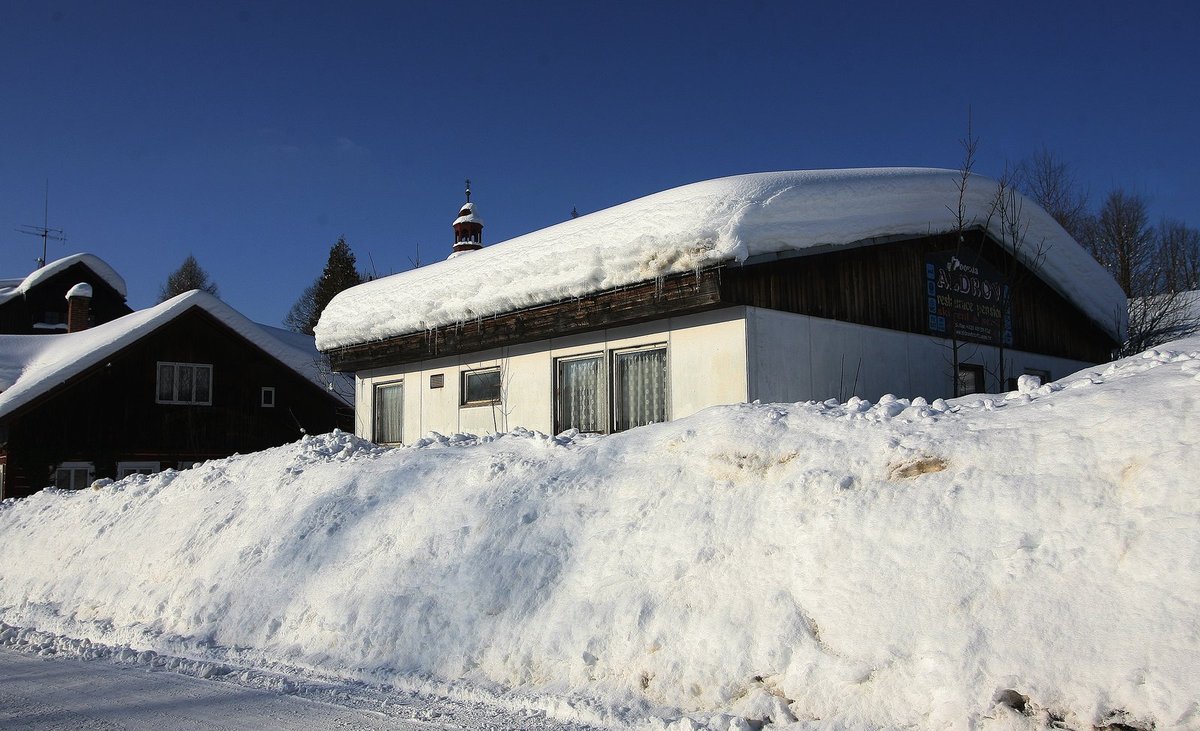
(65, 693)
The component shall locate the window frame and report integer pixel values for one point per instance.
(134, 467)
(602, 387)
(614, 390)
(467, 374)
(977, 370)
(376, 388)
(176, 369)
(73, 467)
(264, 402)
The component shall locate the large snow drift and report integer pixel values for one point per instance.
(712, 222)
(1000, 562)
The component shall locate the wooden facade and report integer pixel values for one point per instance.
(46, 303)
(876, 284)
(110, 413)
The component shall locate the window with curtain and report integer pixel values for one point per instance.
(580, 400)
(389, 413)
(184, 383)
(639, 388)
(480, 387)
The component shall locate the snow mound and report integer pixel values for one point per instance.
(1024, 560)
(698, 225)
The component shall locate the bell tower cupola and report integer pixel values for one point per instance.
(468, 227)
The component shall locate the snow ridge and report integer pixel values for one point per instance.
(1007, 561)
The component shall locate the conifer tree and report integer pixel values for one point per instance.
(187, 277)
(341, 272)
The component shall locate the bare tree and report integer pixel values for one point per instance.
(1125, 244)
(1047, 179)
(1178, 256)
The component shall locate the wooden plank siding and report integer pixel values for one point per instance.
(881, 285)
(18, 315)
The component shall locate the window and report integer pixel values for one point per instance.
(639, 387)
(184, 383)
(389, 413)
(481, 387)
(579, 398)
(73, 475)
(268, 397)
(970, 379)
(125, 469)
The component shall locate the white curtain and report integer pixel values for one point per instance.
(579, 395)
(389, 413)
(641, 385)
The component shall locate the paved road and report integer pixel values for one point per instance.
(65, 693)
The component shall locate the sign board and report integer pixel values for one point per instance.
(967, 298)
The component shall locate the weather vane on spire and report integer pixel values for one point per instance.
(468, 190)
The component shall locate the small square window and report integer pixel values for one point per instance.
(481, 387)
(970, 379)
(268, 397)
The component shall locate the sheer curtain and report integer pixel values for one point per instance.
(389, 413)
(641, 385)
(579, 405)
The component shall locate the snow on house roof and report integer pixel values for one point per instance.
(32, 365)
(10, 288)
(697, 225)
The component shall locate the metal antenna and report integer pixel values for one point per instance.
(44, 231)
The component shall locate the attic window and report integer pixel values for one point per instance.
(184, 383)
(268, 397)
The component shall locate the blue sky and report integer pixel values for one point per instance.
(254, 134)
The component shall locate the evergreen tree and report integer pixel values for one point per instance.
(341, 272)
(187, 277)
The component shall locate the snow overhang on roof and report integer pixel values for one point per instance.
(32, 365)
(95, 263)
(698, 225)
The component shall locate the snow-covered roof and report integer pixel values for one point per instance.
(466, 214)
(32, 365)
(697, 225)
(10, 288)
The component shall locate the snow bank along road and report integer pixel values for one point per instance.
(1027, 560)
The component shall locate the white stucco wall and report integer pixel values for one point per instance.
(798, 358)
(706, 356)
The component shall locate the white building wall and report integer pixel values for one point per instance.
(798, 358)
(706, 356)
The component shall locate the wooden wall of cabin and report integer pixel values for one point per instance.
(884, 286)
(110, 413)
(18, 315)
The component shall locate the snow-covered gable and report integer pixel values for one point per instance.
(698, 225)
(32, 365)
(10, 288)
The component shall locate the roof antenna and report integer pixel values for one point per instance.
(44, 231)
(468, 190)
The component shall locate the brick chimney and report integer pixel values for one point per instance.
(79, 307)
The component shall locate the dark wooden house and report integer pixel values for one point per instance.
(37, 303)
(186, 381)
(831, 284)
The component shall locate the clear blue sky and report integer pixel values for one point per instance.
(254, 134)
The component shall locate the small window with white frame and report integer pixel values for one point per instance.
(639, 387)
(389, 413)
(268, 397)
(125, 469)
(480, 387)
(74, 475)
(184, 383)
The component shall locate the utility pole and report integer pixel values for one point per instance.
(46, 233)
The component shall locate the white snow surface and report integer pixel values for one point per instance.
(697, 225)
(1028, 560)
(31, 365)
(10, 288)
